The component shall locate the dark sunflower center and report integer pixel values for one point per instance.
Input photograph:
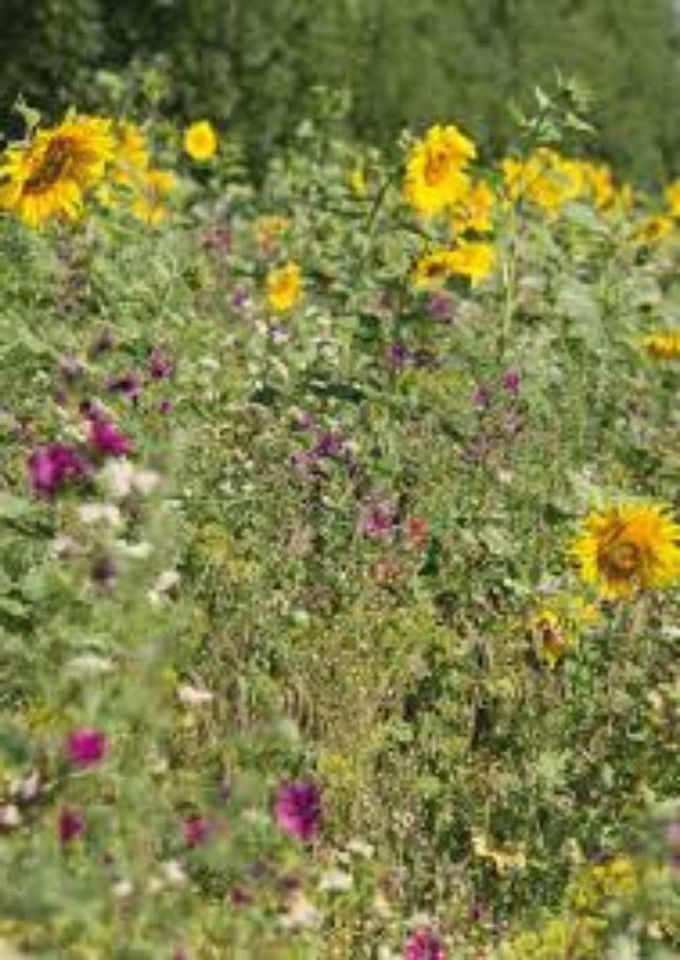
(621, 559)
(52, 166)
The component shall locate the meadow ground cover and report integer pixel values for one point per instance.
(339, 542)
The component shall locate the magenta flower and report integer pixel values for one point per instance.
(107, 439)
(70, 826)
(397, 355)
(86, 747)
(51, 466)
(511, 381)
(297, 809)
(196, 829)
(423, 945)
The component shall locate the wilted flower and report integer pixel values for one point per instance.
(126, 383)
(424, 945)
(511, 381)
(481, 397)
(160, 365)
(53, 465)
(71, 824)
(297, 809)
(86, 747)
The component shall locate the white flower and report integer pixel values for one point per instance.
(9, 816)
(91, 513)
(192, 696)
(361, 849)
(336, 881)
(121, 478)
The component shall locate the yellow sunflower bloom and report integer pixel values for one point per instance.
(653, 230)
(148, 206)
(672, 194)
(472, 260)
(555, 627)
(663, 345)
(47, 177)
(627, 548)
(435, 176)
(475, 210)
(132, 154)
(284, 287)
(432, 269)
(356, 180)
(200, 140)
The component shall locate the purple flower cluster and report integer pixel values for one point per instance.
(297, 809)
(86, 747)
(53, 465)
(501, 417)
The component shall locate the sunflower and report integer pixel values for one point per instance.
(555, 627)
(200, 140)
(653, 230)
(132, 154)
(284, 287)
(672, 195)
(47, 176)
(435, 176)
(628, 547)
(432, 269)
(148, 205)
(475, 210)
(472, 260)
(663, 345)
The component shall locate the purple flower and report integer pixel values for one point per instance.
(196, 829)
(481, 397)
(70, 826)
(440, 305)
(86, 747)
(377, 519)
(51, 466)
(165, 407)
(423, 945)
(329, 445)
(297, 809)
(126, 383)
(107, 439)
(240, 298)
(397, 355)
(160, 365)
(511, 381)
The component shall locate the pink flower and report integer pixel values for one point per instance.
(71, 825)
(107, 439)
(86, 747)
(423, 945)
(297, 808)
(51, 466)
(196, 829)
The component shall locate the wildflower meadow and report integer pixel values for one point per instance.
(340, 545)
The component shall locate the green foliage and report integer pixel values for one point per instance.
(323, 562)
